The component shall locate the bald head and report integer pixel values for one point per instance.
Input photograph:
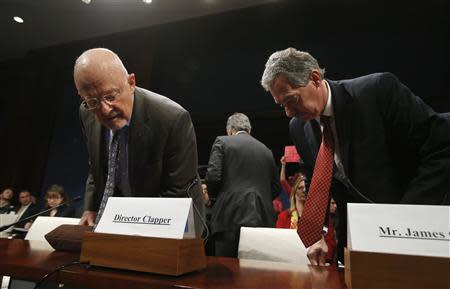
(95, 64)
(100, 74)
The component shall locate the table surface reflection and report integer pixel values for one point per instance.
(30, 260)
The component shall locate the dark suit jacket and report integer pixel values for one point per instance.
(162, 151)
(30, 211)
(63, 211)
(243, 176)
(394, 148)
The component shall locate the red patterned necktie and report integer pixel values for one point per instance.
(313, 215)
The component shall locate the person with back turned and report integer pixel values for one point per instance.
(243, 178)
(140, 144)
(368, 139)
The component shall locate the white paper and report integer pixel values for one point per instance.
(419, 230)
(43, 225)
(272, 244)
(150, 217)
(6, 219)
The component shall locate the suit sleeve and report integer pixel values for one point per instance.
(89, 192)
(275, 182)
(215, 168)
(418, 130)
(180, 158)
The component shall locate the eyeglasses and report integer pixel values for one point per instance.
(289, 101)
(94, 102)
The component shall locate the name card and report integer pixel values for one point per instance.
(151, 217)
(419, 230)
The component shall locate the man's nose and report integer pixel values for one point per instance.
(104, 108)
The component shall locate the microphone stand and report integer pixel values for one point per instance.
(5, 227)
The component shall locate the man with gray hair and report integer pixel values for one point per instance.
(243, 177)
(368, 139)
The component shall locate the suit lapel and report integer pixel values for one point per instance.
(304, 136)
(342, 105)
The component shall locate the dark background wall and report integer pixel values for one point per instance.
(212, 66)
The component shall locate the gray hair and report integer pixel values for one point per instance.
(238, 121)
(294, 64)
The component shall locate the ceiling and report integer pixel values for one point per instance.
(52, 22)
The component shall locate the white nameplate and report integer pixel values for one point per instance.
(151, 217)
(419, 230)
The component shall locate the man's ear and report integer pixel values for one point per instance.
(315, 77)
(132, 80)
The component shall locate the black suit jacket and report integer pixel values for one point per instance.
(394, 148)
(63, 211)
(243, 176)
(162, 151)
(30, 211)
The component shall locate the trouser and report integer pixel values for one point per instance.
(226, 243)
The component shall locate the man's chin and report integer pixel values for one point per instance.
(306, 116)
(302, 116)
(115, 124)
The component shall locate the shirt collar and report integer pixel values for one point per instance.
(328, 111)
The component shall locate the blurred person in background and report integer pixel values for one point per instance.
(54, 197)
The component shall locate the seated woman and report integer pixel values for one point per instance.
(55, 196)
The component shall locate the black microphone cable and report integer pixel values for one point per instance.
(351, 186)
(48, 275)
(189, 187)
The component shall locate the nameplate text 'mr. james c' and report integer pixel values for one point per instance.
(419, 230)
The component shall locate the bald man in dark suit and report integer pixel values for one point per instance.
(158, 143)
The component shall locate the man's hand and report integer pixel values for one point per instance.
(316, 253)
(88, 218)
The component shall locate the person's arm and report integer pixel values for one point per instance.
(89, 214)
(284, 183)
(214, 172)
(275, 182)
(415, 128)
(283, 169)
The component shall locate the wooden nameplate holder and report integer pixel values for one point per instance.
(145, 254)
(371, 270)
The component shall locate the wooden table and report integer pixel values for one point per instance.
(26, 260)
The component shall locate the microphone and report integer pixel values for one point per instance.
(189, 187)
(5, 227)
